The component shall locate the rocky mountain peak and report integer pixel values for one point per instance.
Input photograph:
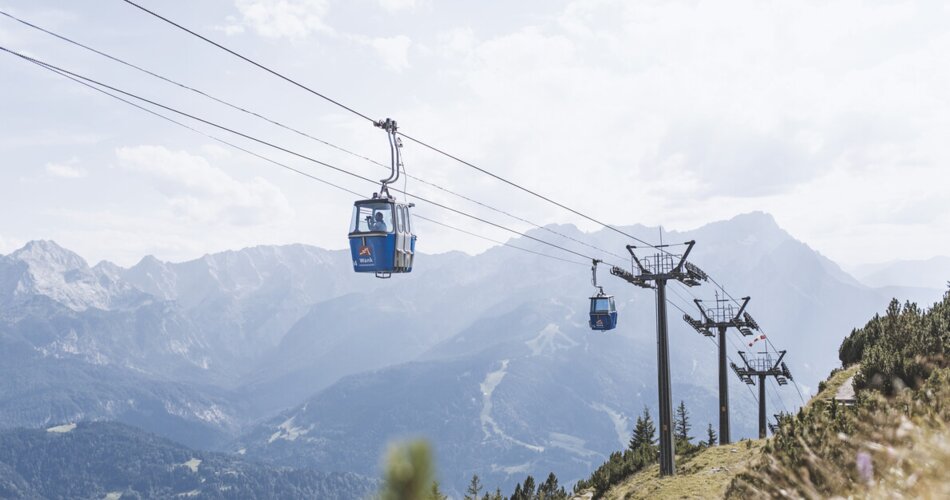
(42, 267)
(46, 254)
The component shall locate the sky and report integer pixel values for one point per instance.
(833, 116)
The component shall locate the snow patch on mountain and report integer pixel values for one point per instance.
(489, 425)
(570, 443)
(61, 429)
(210, 413)
(620, 422)
(512, 469)
(549, 340)
(288, 431)
(191, 464)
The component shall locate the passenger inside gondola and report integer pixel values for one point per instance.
(372, 218)
(377, 224)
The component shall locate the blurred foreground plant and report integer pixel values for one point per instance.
(409, 473)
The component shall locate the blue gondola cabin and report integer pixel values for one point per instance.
(603, 312)
(381, 237)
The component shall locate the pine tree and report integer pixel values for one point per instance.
(712, 437)
(517, 495)
(548, 490)
(496, 495)
(527, 489)
(474, 487)
(644, 433)
(435, 493)
(681, 428)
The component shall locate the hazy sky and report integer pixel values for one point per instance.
(834, 116)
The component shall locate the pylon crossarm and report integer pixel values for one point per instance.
(745, 360)
(689, 248)
(636, 260)
(781, 354)
(745, 302)
(699, 305)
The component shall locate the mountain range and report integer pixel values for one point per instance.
(283, 353)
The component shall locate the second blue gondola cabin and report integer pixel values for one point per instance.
(603, 312)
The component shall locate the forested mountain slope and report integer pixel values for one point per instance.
(109, 460)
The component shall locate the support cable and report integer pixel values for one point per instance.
(408, 137)
(92, 84)
(297, 171)
(255, 63)
(296, 131)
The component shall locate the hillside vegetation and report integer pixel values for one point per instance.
(893, 441)
(111, 460)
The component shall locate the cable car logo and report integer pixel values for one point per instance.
(364, 256)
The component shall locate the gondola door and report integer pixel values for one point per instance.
(405, 238)
(400, 246)
(410, 237)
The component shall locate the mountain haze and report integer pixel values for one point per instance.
(285, 352)
(928, 274)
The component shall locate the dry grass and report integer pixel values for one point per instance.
(921, 470)
(704, 475)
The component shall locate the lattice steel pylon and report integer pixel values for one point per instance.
(654, 272)
(763, 366)
(720, 318)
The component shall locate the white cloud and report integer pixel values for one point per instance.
(204, 193)
(67, 170)
(298, 19)
(682, 112)
(397, 5)
(284, 18)
(831, 115)
(233, 27)
(457, 42)
(394, 51)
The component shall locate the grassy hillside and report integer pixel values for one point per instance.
(893, 442)
(705, 474)
(709, 473)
